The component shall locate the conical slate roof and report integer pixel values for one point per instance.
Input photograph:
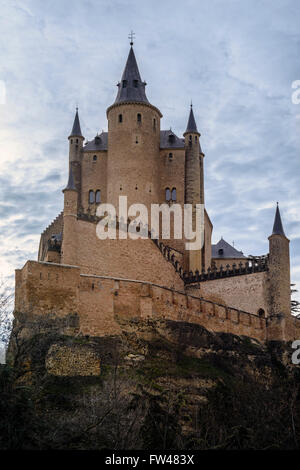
(131, 87)
(191, 126)
(71, 184)
(278, 227)
(76, 130)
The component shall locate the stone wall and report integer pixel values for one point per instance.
(69, 360)
(55, 227)
(130, 259)
(93, 178)
(102, 302)
(247, 292)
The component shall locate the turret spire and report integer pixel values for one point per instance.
(131, 87)
(191, 126)
(76, 130)
(278, 227)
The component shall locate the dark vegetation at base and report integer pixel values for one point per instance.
(190, 389)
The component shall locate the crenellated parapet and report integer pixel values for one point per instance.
(255, 265)
(53, 229)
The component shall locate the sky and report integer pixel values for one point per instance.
(236, 60)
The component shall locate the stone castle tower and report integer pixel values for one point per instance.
(102, 279)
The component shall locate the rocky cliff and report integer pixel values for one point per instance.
(157, 385)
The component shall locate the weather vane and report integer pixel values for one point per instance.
(131, 37)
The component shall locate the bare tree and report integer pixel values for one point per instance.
(6, 300)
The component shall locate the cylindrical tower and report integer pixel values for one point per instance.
(133, 142)
(279, 270)
(70, 240)
(76, 140)
(194, 185)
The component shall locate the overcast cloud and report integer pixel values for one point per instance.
(235, 59)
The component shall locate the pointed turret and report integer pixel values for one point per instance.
(194, 185)
(278, 227)
(134, 134)
(76, 130)
(76, 140)
(70, 238)
(71, 184)
(279, 283)
(191, 125)
(131, 87)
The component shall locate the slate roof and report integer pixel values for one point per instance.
(97, 144)
(168, 140)
(131, 87)
(278, 227)
(76, 130)
(191, 125)
(228, 251)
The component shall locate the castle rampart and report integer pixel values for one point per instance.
(101, 302)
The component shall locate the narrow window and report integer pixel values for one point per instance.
(261, 313)
(95, 158)
(154, 124)
(168, 194)
(91, 197)
(135, 83)
(195, 138)
(120, 118)
(71, 141)
(76, 141)
(190, 138)
(98, 196)
(124, 83)
(170, 156)
(139, 117)
(174, 195)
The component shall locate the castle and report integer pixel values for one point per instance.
(103, 281)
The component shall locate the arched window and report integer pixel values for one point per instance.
(174, 195)
(139, 117)
(190, 138)
(98, 196)
(76, 141)
(94, 158)
(168, 194)
(120, 118)
(195, 138)
(91, 197)
(71, 141)
(170, 156)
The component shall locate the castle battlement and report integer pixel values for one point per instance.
(100, 303)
